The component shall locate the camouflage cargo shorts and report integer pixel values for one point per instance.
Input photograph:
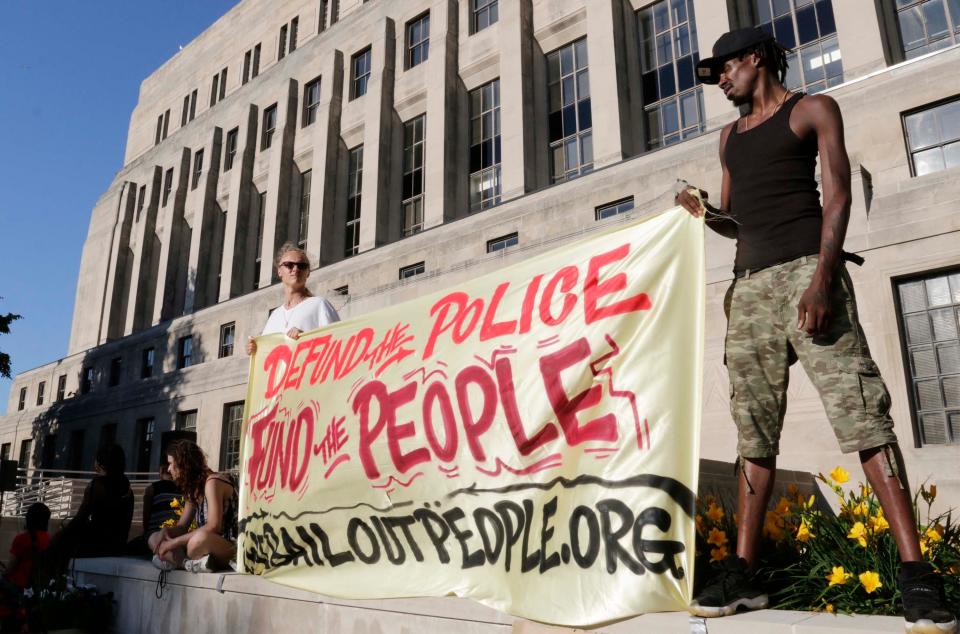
(763, 341)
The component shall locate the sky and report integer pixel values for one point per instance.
(70, 72)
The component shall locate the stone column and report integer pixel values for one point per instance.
(859, 36)
(378, 120)
(237, 273)
(115, 298)
(712, 22)
(143, 283)
(516, 99)
(323, 236)
(609, 95)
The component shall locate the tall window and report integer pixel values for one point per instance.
(485, 146)
(185, 352)
(282, 50)
(354, 191)
(294, 27)
(258, 252)
(185, 111)
(223, 85)
(269, 127)
(413, 175)
(360, 66)
(61, 387)
(483, 14)
(306, 182)
(86, 380)
(227, 334)
(929, 313)
(25, 446)
(245, 73)
(255, 69)
(197, 168)
(933, 138)
(141, 198)
(49, 451)
(571, 139)
(214, 89)
(807, 27)
(187, 420)
(22, 403)
(75, 450)
(193, 104)
(5, 451)
(230, 445)
(146, 364)
(40, 392)
(927, 25)
(672, 99)
(116, 370)
(167, 185)
(230, 151)
(159, 132)
(412, 270)
(418, 40)
(311, 101)
(146, 430)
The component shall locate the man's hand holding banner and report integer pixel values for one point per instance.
(529, 439)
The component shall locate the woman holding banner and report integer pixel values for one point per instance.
(300, 311)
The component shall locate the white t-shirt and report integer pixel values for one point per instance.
(310, 314)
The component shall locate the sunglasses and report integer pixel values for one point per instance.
(303, 266)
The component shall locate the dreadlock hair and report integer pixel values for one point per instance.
(774, 57)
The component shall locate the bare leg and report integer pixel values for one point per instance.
(756, 484)
(221, 550)
(894, 497)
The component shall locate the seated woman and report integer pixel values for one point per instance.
(211, 499)
(28, 545)
(157, 509)
(102, 523)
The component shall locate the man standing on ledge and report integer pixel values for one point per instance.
(793, 299)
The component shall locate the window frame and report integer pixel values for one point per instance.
(310, 108)
(22, 402)
(412, 270)
(61, 387)
(414, 203)
(494, 169)
(940, 144)
(503, 242)
(197, 170)
(269, 127)
(582, 137)
(417, 52)
(359, 81)
(225, 349)
(599, 209)
(489, 6)
(351, 240)
(230, 148)
(228, 439)
(146, 369)
(184, 356)
(303, 226)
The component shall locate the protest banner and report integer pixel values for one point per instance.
(529, 439)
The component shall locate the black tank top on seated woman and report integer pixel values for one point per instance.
(773, 192)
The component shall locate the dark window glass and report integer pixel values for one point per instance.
(503, 242)
(61, 387)
(227, 332)
(185, 352)
(484, 13)
(571, 145)
(413, 150)
(197, 168)
(411, 270)
(269, 127)
(614, 208)
(230, 151)
(187, 421)
(41, 389)
(933, 138)
(418, 40)
(485, 146)
(311, 101)
(282, 48)
(668, 55)
(146, 365)
(360, 66)
(306, 183)
(354, 196)
(22, 403)
(929, 310)
(146, 430)
(230, 445)
(167, 185)
(116, 370)
(25, 446)
(86, 380)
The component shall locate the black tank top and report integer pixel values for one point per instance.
(773, 192)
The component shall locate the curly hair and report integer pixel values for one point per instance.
(192, 469)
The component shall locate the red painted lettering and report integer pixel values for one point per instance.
(490, 329)
(594, 290)
(566, 278)
(551, 366)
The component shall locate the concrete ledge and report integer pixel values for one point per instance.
(246, 604)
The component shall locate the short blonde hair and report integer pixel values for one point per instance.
(290, 247)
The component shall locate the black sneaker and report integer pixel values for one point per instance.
(730, 589)
(924, 602)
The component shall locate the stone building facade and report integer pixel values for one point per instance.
(413, 144)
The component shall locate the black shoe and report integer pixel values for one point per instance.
(730, 589)
(924, 602)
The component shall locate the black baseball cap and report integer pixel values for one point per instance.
(729, 45)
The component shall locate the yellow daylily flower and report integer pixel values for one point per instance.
(803, 532)
(809, 502)
(924, 546)
(717, 537)
(783, 507)
(773, 526)
(715, 513)
(878, 524)
(699, 523)
(840, 475)
(933, 491)
(839, 576)
(793, 490)
(718, 554)
(861, 509)
(174, 503)
(859, 533)
(865, 490)
(934, 533)
(830, 609)
(870, 581)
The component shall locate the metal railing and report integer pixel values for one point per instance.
(62, 491)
